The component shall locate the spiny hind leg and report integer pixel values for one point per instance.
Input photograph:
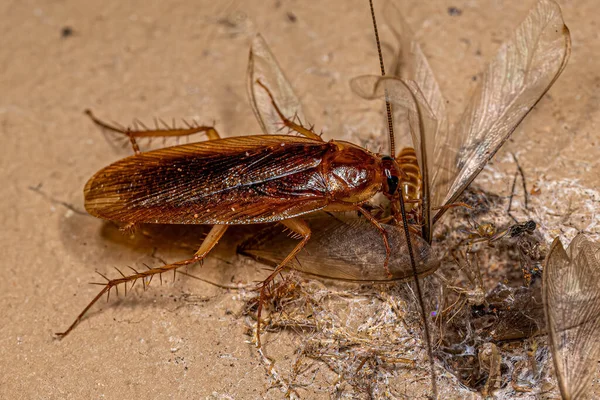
(158, 131)
(300, 227)
(287, 122)
(207, 245)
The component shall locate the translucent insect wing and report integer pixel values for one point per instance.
(406, 95)
(524, 68)
(411, 64)
(344, 248)
(263, 66)
(571, 294)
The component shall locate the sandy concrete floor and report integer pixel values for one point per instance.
(188, 60)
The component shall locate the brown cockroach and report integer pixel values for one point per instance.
(237, 181)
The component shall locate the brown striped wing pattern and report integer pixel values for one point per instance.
(240, 180)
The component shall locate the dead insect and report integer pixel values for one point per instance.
(524, 68)
(570, 291)
(487, 232)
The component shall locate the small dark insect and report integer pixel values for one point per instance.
(454, 11)
(487, 232)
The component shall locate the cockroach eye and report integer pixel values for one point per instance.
(392, 183)
(391, 174)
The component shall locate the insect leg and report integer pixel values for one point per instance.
(290, 124)
(209, 242)
(384, 235)
(300, 227)
(452, 205)
(165, 131)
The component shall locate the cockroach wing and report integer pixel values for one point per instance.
(344, 248)
(571, 295)
(263, 66)
(524, 68)
(239, 180)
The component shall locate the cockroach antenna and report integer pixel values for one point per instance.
(413, 264)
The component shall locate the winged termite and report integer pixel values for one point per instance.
(571, 283)
(524, 68)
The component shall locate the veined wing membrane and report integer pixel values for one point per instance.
(406, 94)
(524, 68)
(410, 64)
(347, 248)
(571, 294)
(263, 66)
(240, 180)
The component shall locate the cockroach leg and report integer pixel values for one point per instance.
(166, 131)
(208, 244)
(384, 235)
(300, 227)
(290, 124)
(210, 241)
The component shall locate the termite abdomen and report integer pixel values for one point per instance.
(411, 183)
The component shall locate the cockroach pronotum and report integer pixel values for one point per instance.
(275, 178)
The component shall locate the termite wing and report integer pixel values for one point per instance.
(449, 157)
(571, 295)
(339, 252)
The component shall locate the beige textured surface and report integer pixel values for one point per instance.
(183, 59)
